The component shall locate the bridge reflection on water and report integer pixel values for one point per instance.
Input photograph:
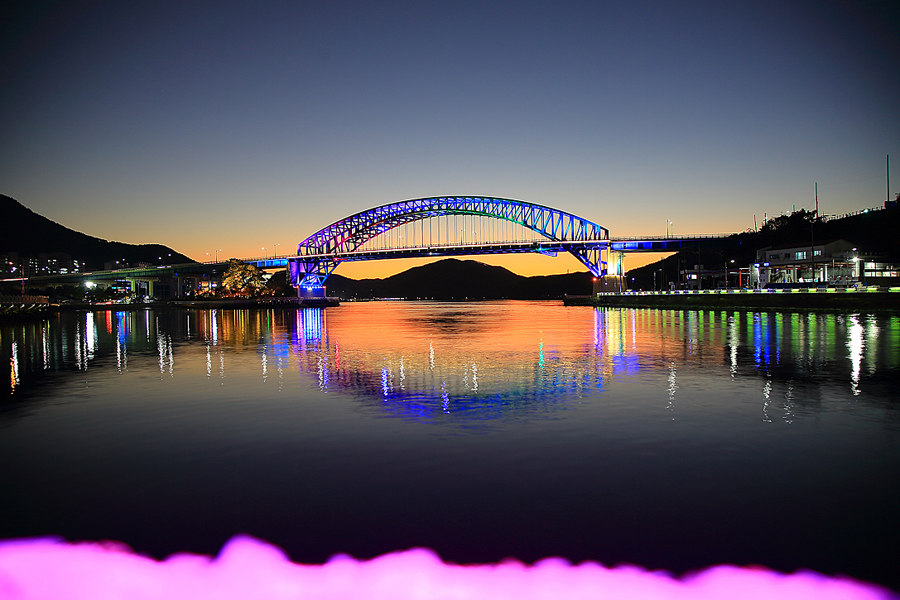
(472, 361)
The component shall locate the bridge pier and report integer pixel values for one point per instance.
(311, 291)
(142, 286)
(614, 278)
(609, 283)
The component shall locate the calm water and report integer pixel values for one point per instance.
(670, 439)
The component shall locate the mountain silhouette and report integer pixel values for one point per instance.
(29, 234)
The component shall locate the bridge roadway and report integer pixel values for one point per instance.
(546, 247)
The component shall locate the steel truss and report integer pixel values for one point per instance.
(319, 254)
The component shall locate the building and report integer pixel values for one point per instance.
(833, 262)
(55, 263)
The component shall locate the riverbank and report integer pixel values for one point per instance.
(270, 302)
(863, 299)
(24, 312)
(27, 312)
(279, 302)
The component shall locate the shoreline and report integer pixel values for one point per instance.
(865, 299)
(797, 299)
(32, 312)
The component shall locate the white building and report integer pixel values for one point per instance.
(833, 262)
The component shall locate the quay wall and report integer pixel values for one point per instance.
(863, 299)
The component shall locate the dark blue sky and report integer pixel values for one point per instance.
(237, 125)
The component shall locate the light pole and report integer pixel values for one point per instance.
(217, 254)
(275, 250)
(264, 252)
(668, 224)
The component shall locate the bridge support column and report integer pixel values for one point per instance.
(309, 276)
(614, 279)
(141, 285)
(311, 291)
(609, 284)
(185, 286)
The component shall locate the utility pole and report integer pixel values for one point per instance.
(812, 238)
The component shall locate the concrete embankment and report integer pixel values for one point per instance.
(26, 312)
(14, 308)
(280, 302)
(864, 299)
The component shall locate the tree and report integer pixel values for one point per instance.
(796, 221)
(279, 286)
(242, 279)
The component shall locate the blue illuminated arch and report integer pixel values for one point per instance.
(318, 255)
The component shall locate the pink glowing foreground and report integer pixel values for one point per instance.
(248, 568)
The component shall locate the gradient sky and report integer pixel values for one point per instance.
(239, 125)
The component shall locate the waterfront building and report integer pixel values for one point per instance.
(835, 262)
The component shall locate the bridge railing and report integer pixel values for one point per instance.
(674, 238)
(862, 211)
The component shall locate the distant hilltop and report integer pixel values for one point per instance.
(27, 236)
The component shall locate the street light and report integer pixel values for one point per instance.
(264, 251)
(275, 250)
(668, 224)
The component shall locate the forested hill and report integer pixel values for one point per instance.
(28, 233)
(873, 232)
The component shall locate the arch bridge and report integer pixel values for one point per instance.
(448, 226)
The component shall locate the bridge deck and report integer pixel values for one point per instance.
(547, 247)
(659, 244)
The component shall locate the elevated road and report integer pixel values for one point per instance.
(546, 247)
(661, 244)
(196, 269)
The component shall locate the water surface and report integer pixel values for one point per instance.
(669, 439)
